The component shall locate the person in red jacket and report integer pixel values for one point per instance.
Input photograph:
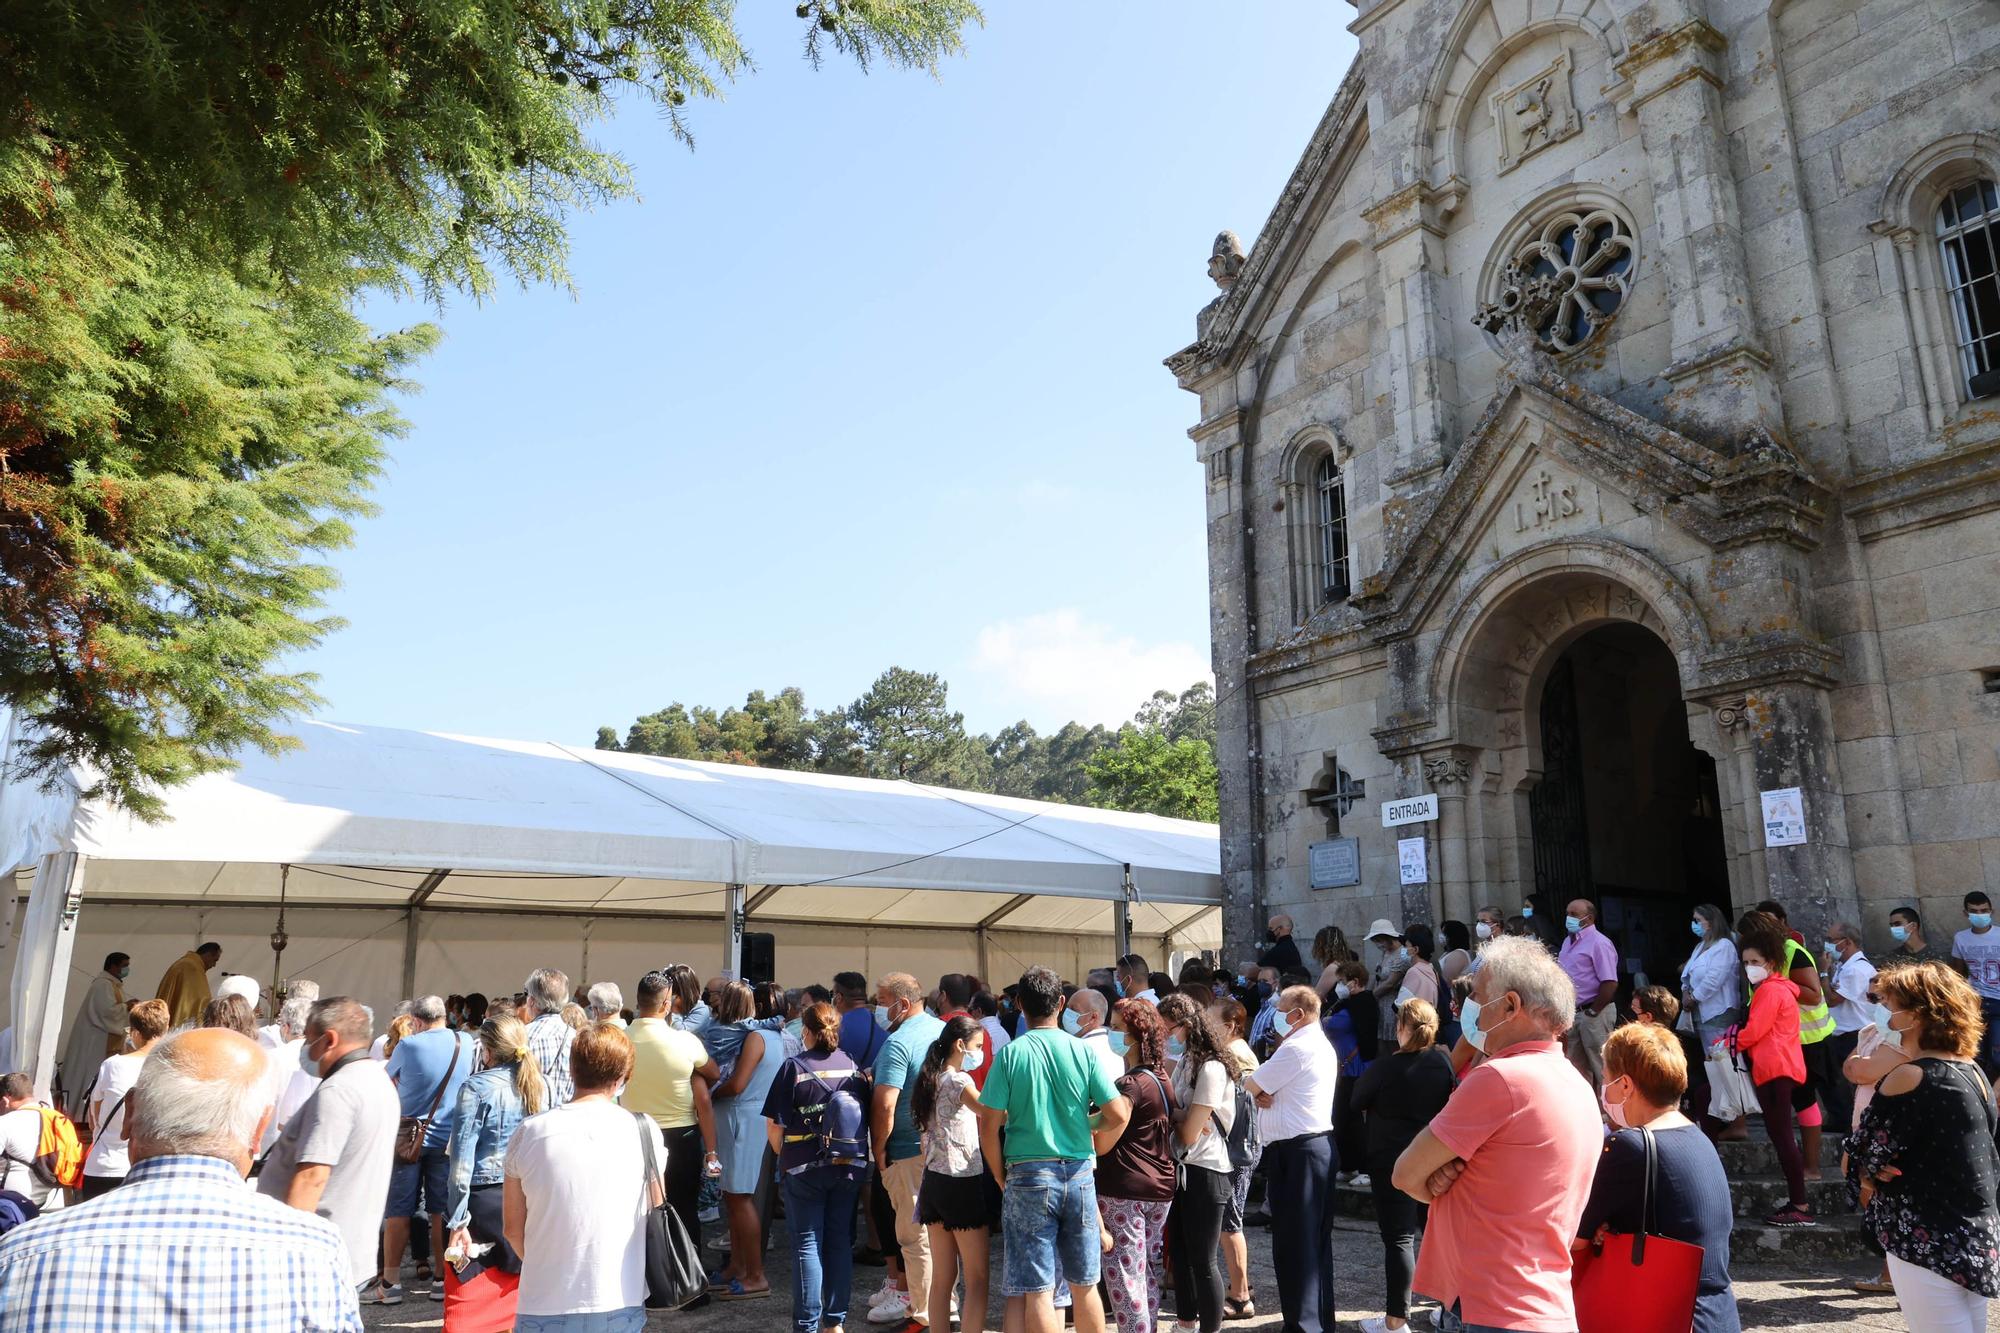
(1770, 1037)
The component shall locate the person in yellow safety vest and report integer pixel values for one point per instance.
(1815, 1026)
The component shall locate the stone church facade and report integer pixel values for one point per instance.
(1603, 431)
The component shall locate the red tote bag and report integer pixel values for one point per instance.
(1639, 1282)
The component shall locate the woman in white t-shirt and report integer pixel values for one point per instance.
(1204, 1081)
(576, 1196)
(110, 1155)
(957, 1200)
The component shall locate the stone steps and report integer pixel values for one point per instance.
(1755, 1156)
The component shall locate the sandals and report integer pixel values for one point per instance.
(736, 1291)
(1243, 1309)
(1875, 1287)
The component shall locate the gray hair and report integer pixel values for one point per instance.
(303, 990)
(1520, 964)
(403, 1008)
(548, 990)
(1089, 1002)
(604, 998)
(182, 1111)
(1845, 930)
(429, 1008)
(293, 1013)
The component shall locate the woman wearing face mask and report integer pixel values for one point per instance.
(1770, 1037)
(506, 1089)
(1353, 1024)
(1204, 1091)
(958, 1200)
(1711, 1002)
(1923, 1164)
(1233, 1020)
(1330, 949)
(1399, 1095)
(816, 1100)
(1135, 1169)
(1645, 1073)
(1455, 957)
(739, 1119)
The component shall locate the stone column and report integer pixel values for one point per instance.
(1723, 386)
(1449, 776)
(1423, 383)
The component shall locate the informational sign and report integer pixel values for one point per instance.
(1412, 862)
(1784, 817)
(1335, 863)
(1410, 810)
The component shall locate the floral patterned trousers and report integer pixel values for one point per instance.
(1133, 1269)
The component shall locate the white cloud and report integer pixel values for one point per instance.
(1057, 666)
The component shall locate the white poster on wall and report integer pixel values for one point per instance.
(1411, 861)
(1784, 817)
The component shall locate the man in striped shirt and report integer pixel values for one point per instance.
(182, 1246)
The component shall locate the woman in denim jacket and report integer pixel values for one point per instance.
(479, 1289)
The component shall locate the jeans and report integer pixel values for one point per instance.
(1398, 1217)
(632, 1319)
(820, 1206)
(1989, 1046)
(1196, 1227)
(1298, 1179)
(1048, 1218)
(1447, 1321)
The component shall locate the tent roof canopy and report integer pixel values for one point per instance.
(370, 815)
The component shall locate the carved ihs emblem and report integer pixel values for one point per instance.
(1548, 503)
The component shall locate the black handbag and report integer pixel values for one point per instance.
(674, 1275)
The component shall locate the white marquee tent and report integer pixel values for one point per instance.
(403, 858)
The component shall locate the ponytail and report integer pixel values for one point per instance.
(505, 1040)
(923, 1097)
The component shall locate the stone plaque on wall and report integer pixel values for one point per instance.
(1534, 113)
(1335, 863)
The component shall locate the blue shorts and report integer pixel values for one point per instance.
(632, 1319)
(424, 1178)
(1048, 1218)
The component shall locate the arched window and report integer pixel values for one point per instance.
(1968, 232)
(1330, 524)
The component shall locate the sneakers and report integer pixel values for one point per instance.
(1791, 1217)
(1360, 1180)
(379, 1292)
(437, 1289)
(708, 1217)
(892, 1309)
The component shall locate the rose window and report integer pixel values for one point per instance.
(1565, 281)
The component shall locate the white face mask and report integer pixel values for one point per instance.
(1890, 1037)
(1615, 1110)
(1757, 973)
(1342, 991)
(1484, 930)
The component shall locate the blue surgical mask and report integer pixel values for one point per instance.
(1281, 1023)
(1118, 987)
(1070, 1022)
(1699, 928)
(1527, 911)
(1979, 920)
(1176, 1048)
(1899, 933)
(1468, 1022)
(882, 1016)
(1572, 924)
(1890, 1037)
(1117, 1043)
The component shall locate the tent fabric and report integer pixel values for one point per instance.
(363, 816)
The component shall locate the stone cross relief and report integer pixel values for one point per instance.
(1534, 113)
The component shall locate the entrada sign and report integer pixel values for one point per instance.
(1410, 810)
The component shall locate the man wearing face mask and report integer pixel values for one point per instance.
(1906, 928)
(1491, 924)
(1506, 1167)
(1281, 951)
(897, 1143)
(1087, 1018)
(1591, 962)
(1294, 1092)
(333, 1157)
(101, 1024)
(1976, 952)
(1848, 979)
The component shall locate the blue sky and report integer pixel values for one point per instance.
(871, 377)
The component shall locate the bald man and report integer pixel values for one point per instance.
(1282, 951)
(254, 1266)
(1088, 1019)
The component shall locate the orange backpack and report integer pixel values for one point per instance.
(58, 1159)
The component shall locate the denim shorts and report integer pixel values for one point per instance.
(632, 1319)
(1048, 1217)
(422, 1180)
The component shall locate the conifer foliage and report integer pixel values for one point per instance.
(193, 199)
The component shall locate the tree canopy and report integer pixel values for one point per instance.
(193, 199)
(1162, 762)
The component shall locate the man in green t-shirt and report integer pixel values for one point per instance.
(1042, 1087)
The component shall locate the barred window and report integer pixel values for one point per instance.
(1968, 230)
(1332, 524)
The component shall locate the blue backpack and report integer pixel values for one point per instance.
(829, 1113)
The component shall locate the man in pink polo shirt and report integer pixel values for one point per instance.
(1507, 1165)
(1591, 962)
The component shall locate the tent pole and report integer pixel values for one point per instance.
(412, 919)
(41, 968)
(985, 963)
(1121, 922)
(732, 926)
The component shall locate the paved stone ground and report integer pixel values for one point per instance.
(1769, 1298)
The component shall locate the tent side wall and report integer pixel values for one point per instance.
(360, 951)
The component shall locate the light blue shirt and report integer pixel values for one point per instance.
(419, 1064)
(897, 1067)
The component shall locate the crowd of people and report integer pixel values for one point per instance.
(1509, 1107)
